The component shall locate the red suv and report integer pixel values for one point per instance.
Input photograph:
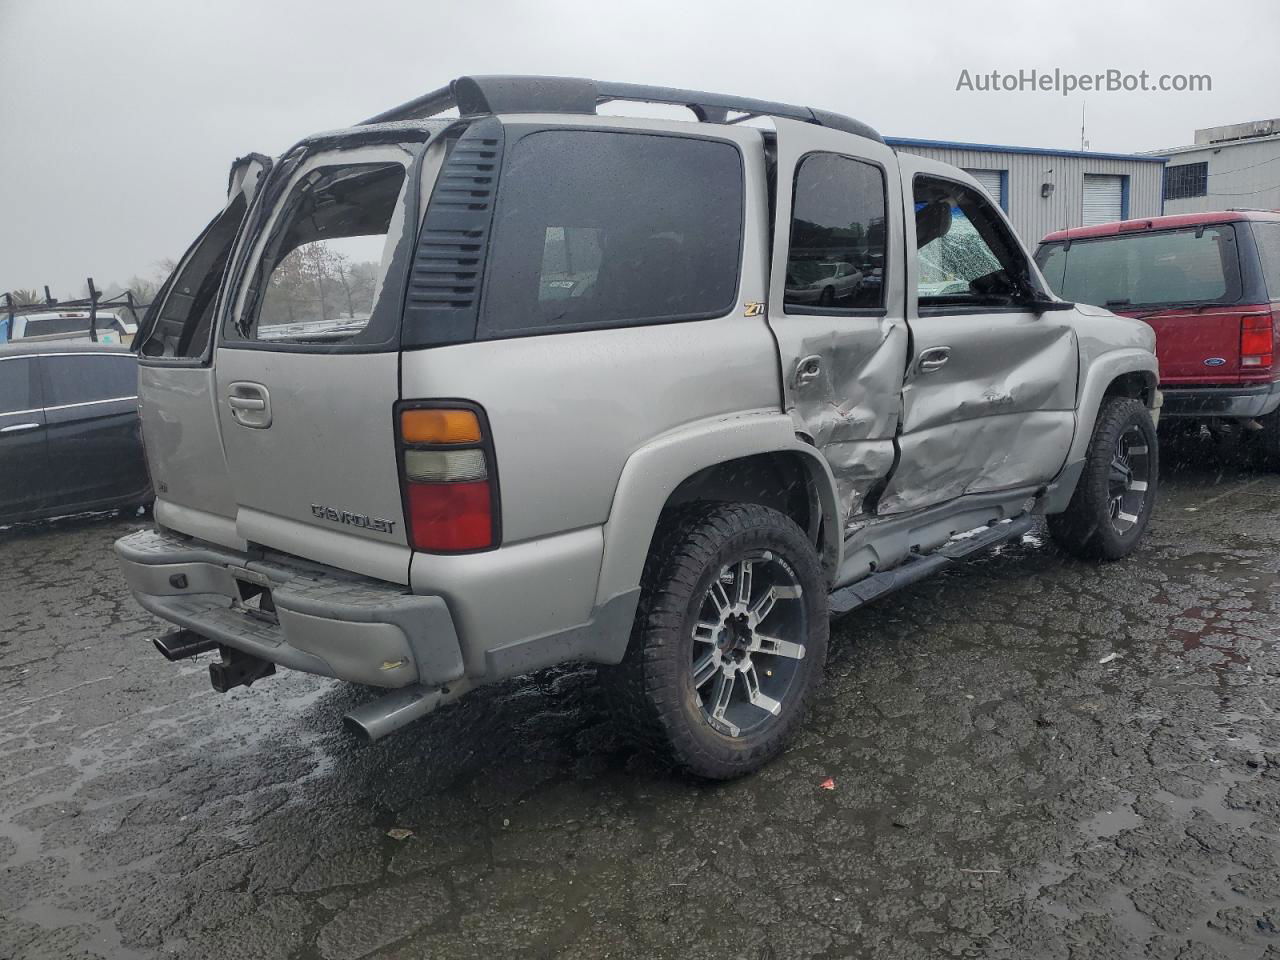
(1209, 283)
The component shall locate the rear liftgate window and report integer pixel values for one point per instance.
(323, 266)
(1196, 265)
(598, 229)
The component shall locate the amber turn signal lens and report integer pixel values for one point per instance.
(439, 426)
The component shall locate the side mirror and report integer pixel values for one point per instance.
(1045, 305)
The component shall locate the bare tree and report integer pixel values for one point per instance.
(26, 298)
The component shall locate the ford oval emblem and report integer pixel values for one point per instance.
(1214, 362)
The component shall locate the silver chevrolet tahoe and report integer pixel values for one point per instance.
(438, 400)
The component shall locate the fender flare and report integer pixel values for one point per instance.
(1098, 376)
(653, 472)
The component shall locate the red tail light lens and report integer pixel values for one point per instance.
(447, 476)
(448, 517)
(1257, 340)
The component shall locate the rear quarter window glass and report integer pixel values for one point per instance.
(600, 229)
(1267, 237)
(83, 378)
(1146, 269)
(16, 385)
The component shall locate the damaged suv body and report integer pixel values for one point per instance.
(436, 402)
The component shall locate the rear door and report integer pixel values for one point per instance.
(307, 371)
(23, 464)
(989, 398)
(842, 345)
(91, 416)
(176, 381)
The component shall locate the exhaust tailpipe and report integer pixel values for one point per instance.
(374, 720)
(181, 644)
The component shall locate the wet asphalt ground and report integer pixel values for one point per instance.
(1031, 756)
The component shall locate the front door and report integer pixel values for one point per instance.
(24, 468)
(989, 398)
(176, 380)
(836, 302)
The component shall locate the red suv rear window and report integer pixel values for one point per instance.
(1193, 265)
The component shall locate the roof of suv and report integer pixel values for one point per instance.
(1172, 222)
(482, 95)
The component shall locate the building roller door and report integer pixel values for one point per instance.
(991, 182)
(1103, 199)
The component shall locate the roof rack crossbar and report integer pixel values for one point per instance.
(528, 94)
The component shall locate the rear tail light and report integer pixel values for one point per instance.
(1257, 339)
(447, 475)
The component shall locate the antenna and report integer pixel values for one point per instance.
(1084, 144)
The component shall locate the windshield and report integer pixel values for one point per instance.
(1193, 266)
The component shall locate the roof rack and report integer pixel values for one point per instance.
(474, 96)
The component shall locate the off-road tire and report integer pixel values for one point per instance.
(1084, 529)
(653, 686)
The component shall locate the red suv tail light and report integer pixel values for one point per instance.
(1257, 340)
(447, 476)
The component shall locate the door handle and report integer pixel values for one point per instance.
(933, 359)
(250, 404)
(19, 427)
(808, 370)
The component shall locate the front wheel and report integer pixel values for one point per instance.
(1116, 491)
(730, 638)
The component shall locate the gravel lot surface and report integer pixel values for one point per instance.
(1031, 757)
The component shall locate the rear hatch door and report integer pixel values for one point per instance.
(1196, 345)
(308, 363)
(1185, 282)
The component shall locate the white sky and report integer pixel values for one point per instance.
(118, 120)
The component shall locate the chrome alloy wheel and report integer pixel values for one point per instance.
(1128, 479)
(747, 643)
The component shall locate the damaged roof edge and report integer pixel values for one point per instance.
(474, 96)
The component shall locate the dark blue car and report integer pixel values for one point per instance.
(69, 430)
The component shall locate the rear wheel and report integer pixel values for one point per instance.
(730, 638)
(1116, 492)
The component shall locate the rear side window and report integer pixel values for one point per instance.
(837, 255)
(1196, 265)
(600, 229)
(82, 378)
(1266, 235)
(17, 385)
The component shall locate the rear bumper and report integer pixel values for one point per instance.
(325, 621)
(1226, 401)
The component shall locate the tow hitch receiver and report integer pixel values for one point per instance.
(180, 644)
(237, 669)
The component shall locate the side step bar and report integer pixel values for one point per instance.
(917, 567)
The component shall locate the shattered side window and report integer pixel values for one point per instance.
(322, 269)
(965, 253)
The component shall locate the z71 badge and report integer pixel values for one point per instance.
(376, 524)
